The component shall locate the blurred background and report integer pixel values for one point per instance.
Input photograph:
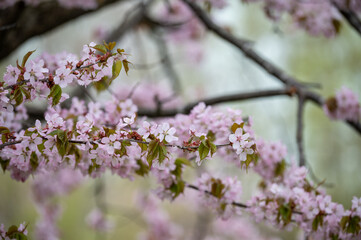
(332, 148)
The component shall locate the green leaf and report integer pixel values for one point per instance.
(143, 168)
(123, 149)
(56, 132)
(334, 237)
(108, 131)
(25, 92)
(211, 136)
(162, 153)
(111, 45)
(101, 85)
(249, 159)
(62, 143)
(19, 236)
(217, 188)
(153, 151)
(4, 164)
(177, 171)
(203, 151)
(26, 57)
(126, 66)
(34, 161)
(235, 126)
(100, 48)
(177, 188)
(4, 130)
(280, 168)
(351, 224)
(284, 213)
(182, 161)
(11, 230)
(117, 67)
(337, 25)
(213, 147)
(18, 96)
(143, 146)
(318, 221)
(343, 222)
(74, 150)
(61, 135)
(55, 94)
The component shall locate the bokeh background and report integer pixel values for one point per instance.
(333, 149)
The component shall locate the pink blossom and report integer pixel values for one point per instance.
(63, 77)
(166, 133)
(11, 75)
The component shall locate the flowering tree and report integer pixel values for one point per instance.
(142, 132)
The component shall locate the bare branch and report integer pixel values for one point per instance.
(9, 144)
(350, 16)
(31, 21)
(133, 18)
(167, 62)
(241, 205)
(299, 134)
(222, 99)
(244, 45)
(186, 148)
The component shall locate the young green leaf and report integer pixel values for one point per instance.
(117, 67)
(55, 94)
(203, 151)
(26, 57)
(100, 48)
(18, 96)
(126, 66)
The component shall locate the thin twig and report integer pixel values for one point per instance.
(123, 140)
(167, 63)
(244, 45)
(9, 144)
(246, 48)
(133, 18)
(133, 90)
(221, 99)
(350, 16)
(237, 204)
(299, 134)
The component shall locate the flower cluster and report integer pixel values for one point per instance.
(318, 18)
(288, 199)
(220, 194)
(271, 160)
(89, 139)
(344, 106)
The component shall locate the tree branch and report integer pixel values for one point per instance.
(167, 62)
(299, 133)
(217, 100)
(245, 47)
(188, 148)
(133, 18)
(237, 204)
(31, 21)
(350, 16)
